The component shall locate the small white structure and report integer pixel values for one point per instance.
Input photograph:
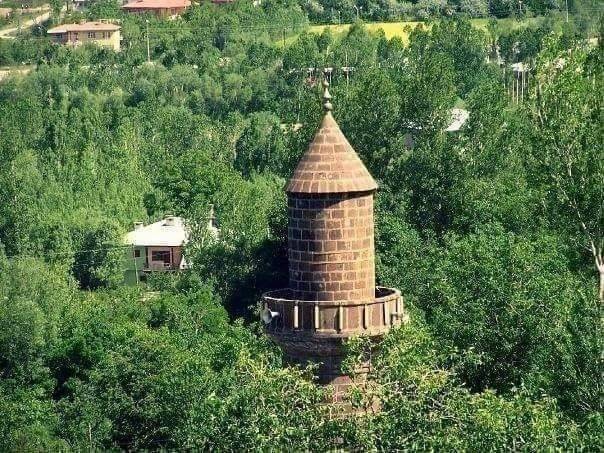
(170, 232)
(519, 67)
(458, 119)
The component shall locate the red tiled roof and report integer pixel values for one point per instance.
(157, 4)
(87, 26)
(330, 165)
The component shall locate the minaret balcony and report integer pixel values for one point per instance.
(285, 315)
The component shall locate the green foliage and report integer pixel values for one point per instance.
(423, 407)
(101, 9)
(250, 255)
(130, 372)
(336, 11)
(31, 294)
(463, 44)
(422, 404)
(28, 420)
(488, 232)
(262, 147)
(508, 308)
(571, 136)
(99, 262)
(371, 114)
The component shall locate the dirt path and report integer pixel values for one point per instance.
(4, 73)
(7, 32)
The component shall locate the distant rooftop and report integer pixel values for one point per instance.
(86, 26)
(157, 4)
(458, 119)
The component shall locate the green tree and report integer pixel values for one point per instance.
(508, 304)
(369, 118)
(568, 115)
(99, 260)
(262, 146)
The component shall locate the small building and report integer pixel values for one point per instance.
(158, 247)
(458, 119)
(100, 33)
(161, 8)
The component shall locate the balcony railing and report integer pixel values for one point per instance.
(159, 267)
(335, 318)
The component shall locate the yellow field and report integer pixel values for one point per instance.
(402, 29)
(391, 29)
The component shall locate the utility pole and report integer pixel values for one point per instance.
(20, 17)
(522, 84)
(566, 11)
(148, 46)
(327, 74)
(347, 70)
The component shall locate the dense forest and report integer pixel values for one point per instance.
(493, 233)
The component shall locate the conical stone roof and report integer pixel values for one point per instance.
(330, 165)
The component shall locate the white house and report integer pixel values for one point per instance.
(158, 247)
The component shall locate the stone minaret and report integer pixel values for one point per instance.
(332, 294)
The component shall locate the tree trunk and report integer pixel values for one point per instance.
(598, 254)
(601, 270)
(600, 267)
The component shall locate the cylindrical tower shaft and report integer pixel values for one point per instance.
(331, 246)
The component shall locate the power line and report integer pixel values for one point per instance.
(69, 253)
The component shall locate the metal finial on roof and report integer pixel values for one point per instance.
(327, 106)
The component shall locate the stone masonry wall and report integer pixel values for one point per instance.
(331, 246)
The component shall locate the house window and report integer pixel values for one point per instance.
(137, 253)
(161, 255)
(76, 37)
(91, 34)
(173, 11)
(105, 35)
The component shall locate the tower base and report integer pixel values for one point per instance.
(328, 355)
(313, 332)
